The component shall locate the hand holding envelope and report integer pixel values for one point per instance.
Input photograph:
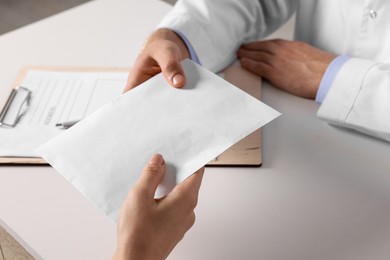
(104, 154)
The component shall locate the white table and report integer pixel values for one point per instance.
(322, 192)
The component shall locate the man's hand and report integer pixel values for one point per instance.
(162, 53)
(295, 67)
(150, 228)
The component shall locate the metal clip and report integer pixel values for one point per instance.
(16, 106)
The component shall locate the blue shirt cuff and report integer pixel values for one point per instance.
(190, 49)
(329, 76)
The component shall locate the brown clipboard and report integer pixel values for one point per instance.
(12, 160)
(247, 152)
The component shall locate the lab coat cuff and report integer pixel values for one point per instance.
(329, 75)
(192, 52)
(344, 90)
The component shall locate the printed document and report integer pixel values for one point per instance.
(58, 96)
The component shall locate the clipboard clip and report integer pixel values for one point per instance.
(16, 106)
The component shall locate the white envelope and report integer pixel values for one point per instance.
(104, 154)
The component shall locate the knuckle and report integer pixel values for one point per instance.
(278, 41)
(191, 201)
(191, 219)
(299, 44)
(153, 170)
(170, 49)
(245, 63)
(188, 199)
(171, 66)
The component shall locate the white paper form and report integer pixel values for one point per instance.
(104, 154)
(58, 96)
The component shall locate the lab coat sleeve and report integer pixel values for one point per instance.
(217, 28)
(359, 98)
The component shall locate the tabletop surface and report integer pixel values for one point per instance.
(322, 192)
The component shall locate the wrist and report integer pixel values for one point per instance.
(139, 249)
(167, 34)
(128, 253)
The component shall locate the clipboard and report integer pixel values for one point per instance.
(247, 152)
(17, 90)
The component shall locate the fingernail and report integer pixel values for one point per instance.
(177, 80)
(157, 159)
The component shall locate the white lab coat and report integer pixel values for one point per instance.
(359, 97)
